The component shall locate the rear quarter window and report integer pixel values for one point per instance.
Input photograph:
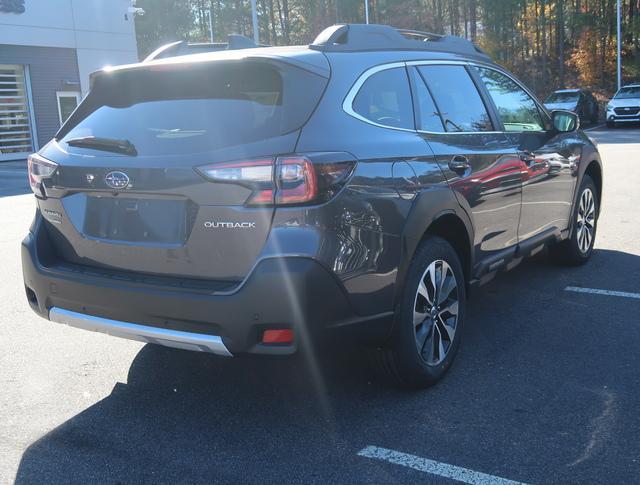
(385, 99)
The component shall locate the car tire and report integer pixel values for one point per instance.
(426, 336)
(578, 248)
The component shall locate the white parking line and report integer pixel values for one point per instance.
(434, 467)
(597, 291)
(595, 127)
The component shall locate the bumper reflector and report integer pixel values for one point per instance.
(283, 336)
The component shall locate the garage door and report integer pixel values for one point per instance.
(16, 138)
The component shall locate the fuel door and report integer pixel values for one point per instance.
(405, 180)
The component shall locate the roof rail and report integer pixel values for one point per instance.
(368, 37)
(419, 35)
(181, 47)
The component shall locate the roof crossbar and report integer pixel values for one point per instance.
(369, 37)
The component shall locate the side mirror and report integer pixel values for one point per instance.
(565, 121)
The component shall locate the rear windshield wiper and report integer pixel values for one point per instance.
(105, 144)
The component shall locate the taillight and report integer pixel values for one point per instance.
(39, 168)
(287, 180)
(296, 181)
(254, 174)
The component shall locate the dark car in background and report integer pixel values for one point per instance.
(624, 107)
(579, 101)
(259, 200)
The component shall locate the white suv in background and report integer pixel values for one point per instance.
(624, 107)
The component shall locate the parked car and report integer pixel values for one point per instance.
(624, 107)
(579, 101)
(258, 201)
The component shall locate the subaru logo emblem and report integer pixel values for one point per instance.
(117, 180)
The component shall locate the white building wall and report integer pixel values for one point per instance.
(101, 31)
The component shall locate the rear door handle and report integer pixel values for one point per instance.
(459, 164)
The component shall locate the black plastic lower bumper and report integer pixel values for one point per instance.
(292, 292)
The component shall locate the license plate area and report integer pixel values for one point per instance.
(136, 220)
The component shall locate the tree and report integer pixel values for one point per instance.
(163, 21)
(547, 43)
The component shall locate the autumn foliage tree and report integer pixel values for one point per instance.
(550, 44)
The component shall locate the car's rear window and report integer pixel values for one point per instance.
(197, 108)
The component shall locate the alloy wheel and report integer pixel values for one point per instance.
(586, 220)
(435, 312)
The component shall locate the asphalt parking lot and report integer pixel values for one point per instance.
(545, 389)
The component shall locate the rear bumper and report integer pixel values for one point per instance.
(288, 292)
(143, 333)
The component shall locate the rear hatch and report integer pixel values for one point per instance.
(129, 192)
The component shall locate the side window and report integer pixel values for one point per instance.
(385, 99)
(427, 114)
(517, 110)
(460, 104)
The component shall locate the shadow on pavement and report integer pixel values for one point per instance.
(517, 396)
(187, 417)
(624, 134)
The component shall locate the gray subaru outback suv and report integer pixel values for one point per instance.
(259, 200)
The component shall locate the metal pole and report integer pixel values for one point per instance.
(619, 46)
(254, 21)
(210, 25)
(366, 11)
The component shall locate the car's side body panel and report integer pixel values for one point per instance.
(490, 190)
(488, 199)
(364, 225)
(549, 181)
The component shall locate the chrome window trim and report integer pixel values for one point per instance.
(347, 104)
(435, 61)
